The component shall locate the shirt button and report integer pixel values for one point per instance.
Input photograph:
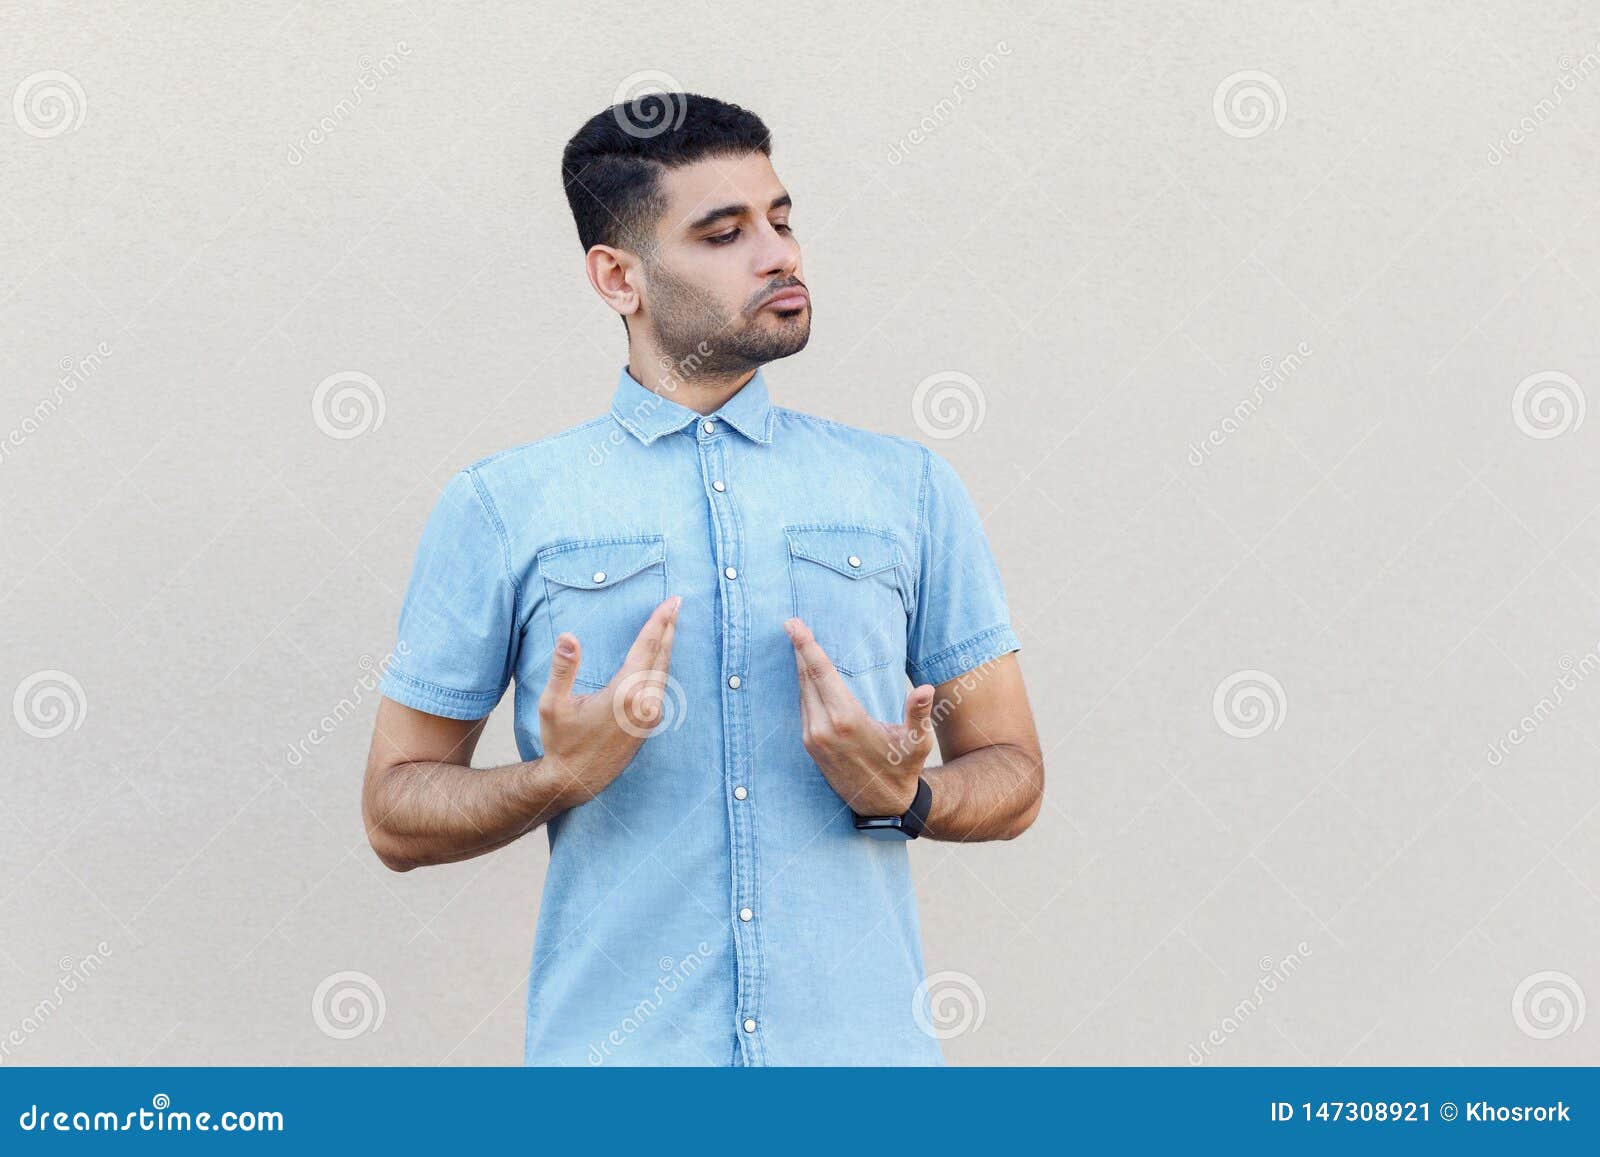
(749, 1024)
(599, 576)
(854, 561)
(735, 682)
(746, 915)
(709, 426)
(719, 486)
(739, 793)
(730, 572)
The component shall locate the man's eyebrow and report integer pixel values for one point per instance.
(722, 211)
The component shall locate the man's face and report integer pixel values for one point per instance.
(724, 292)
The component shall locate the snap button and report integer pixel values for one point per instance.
(599, 576)
(854, 561)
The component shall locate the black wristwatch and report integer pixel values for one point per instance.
(902, 827)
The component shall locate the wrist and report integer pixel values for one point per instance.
(886, 799)
(554, 788)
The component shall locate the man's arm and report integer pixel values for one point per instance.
(424, 804)
(991, 785)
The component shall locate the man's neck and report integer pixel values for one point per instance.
(700, 393)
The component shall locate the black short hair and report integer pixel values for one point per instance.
(611, 168)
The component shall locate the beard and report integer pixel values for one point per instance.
(696, 335)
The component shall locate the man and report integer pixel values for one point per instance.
(710, 605)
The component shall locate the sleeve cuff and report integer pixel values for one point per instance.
(963, 657)
(437, 700)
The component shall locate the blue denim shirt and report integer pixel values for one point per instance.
(715, 903)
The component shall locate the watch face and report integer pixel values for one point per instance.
(882, 827)
(889, 831)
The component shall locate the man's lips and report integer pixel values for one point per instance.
(787, 299)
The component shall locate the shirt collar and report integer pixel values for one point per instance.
(648, 415)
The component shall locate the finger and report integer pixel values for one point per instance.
(564, 662)
(817, 669)
(919, 710)
(808, 669)
(663, 660)
(647, 642)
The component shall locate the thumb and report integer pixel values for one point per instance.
(919, 708)
(564, 664)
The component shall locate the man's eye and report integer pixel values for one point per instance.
(723, 238)
(783, 227)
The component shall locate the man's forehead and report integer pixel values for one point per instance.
(713, 182)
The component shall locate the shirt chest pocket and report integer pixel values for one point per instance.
(602, 591)
(848, 584)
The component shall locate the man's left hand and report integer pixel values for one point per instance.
(872, 765)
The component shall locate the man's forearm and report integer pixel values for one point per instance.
(436, 813)
(993, 793)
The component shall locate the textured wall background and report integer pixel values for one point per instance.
(1265, 337)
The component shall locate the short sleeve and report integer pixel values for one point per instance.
(960, 620)
(455, 650)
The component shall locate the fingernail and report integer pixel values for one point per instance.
(566, 648)
(677, 601)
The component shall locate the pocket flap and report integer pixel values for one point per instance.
(851, 551)
(598, 565)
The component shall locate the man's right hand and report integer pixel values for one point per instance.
(589, 739)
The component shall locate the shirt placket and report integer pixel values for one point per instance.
(739, 792)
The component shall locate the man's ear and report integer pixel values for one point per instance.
(614, 273)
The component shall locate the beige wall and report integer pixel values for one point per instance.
(1387, 554)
